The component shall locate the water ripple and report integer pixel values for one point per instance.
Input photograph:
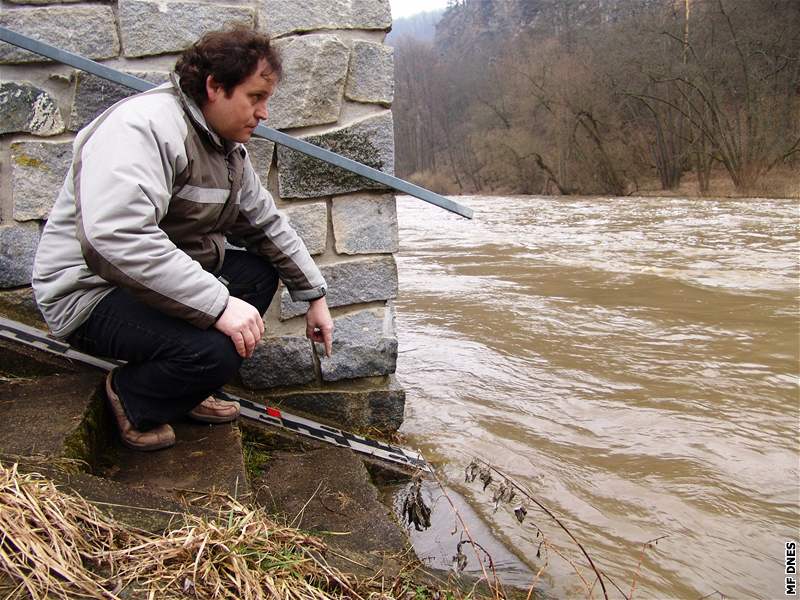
(634, 361)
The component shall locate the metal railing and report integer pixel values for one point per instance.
(115, 76)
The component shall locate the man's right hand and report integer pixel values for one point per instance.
(241, 322)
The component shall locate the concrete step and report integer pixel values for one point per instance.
(60, 415)
(19, 360)
(329, 491)
(205, 459)
(134, 507)
(53, 406)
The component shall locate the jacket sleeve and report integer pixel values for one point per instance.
(123, 176)
(264, 230)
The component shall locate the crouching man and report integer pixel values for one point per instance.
(132, 263)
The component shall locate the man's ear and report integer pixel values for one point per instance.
(214, 88)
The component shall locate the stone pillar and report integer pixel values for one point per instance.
(337, 92)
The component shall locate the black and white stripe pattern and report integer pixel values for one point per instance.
(268, 415)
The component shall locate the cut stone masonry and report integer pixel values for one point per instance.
(89, 30)
(336, 92)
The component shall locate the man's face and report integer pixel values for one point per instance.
(234, 116)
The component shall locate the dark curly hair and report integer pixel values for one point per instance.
(230, 55)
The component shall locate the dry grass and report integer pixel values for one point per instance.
(49, 540)
(54, 545)
(781, 182)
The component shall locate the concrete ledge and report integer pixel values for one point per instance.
(205, 459)
(18, 361)
(20, 305)
(59, 416)
(366, 405)
(132, 507)
(330, 491)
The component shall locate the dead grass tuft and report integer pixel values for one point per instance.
(50, 540)
(54, 545)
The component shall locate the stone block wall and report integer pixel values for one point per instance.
(336, 92)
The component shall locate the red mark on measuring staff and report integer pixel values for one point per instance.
(274, 412)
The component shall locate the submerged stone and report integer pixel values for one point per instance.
(374, 405)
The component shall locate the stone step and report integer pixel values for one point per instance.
(329, 491)
(55, 407)
(18, 360)
(59, 416)
(205, 459)
(134, 507)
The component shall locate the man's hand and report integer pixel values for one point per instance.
(319, 325)
(241, 322)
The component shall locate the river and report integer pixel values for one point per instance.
(632, 361)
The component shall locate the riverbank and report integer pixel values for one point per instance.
(236, 510)
(59, 545)
(778, 183)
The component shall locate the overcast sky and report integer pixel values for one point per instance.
(406, 8)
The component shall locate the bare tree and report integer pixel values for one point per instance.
(599, 96)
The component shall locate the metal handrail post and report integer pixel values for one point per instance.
(140, 85)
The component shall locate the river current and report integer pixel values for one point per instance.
(633, 362)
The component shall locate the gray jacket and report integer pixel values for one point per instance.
(146, 205)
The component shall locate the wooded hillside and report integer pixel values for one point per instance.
(602, 96)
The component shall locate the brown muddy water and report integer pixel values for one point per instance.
(633, 361)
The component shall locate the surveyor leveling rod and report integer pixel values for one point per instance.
(268, 415)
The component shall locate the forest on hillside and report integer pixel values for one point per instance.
(603, 97)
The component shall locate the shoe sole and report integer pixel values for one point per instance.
(212, 419)
(148, 448)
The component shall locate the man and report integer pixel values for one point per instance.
(132, 262)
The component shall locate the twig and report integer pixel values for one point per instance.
(141, 508)
(303, 510)
(614, 583)
(540, 571)
(497, 589)
(574, 568)
(645, 546)
(556, 519)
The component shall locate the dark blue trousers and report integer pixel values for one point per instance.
(172, 365)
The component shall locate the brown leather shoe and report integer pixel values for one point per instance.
(162, 436)
(212, 410)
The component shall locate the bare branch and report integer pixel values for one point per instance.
(547, 511)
